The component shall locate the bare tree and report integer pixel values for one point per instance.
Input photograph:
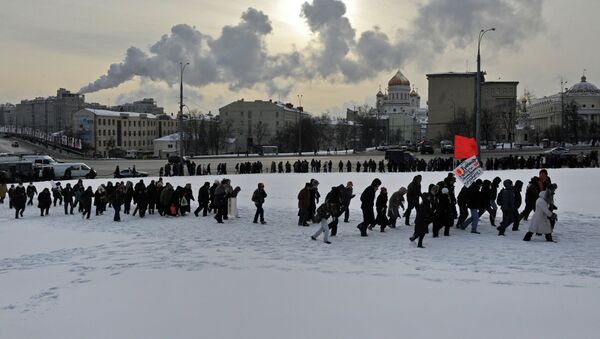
(261, 131)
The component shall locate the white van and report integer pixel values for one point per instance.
(40, 159)
(78, 170)
(131, 154)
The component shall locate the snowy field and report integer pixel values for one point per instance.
(188, 277)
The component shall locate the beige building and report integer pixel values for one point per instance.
(255, 123)
(548, 111)
(51, 114)
(451, 106)
(103, 130)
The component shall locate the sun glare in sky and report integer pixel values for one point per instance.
(288, 11)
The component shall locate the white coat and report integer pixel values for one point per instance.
(539, 222)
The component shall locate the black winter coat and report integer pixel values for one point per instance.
(367, 198)
(424, 216)
(44, 200)
(413, 192)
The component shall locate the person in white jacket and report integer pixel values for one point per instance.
(540, 222)
(232, 202)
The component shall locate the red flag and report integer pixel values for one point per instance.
(464, 147)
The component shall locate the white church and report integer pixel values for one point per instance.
(402, 106)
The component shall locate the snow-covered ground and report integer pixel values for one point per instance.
(188, 277)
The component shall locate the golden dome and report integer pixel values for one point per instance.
(399, 80)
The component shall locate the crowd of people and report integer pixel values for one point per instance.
(438, 205)
(444, 164)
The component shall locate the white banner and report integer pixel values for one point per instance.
(468, 171)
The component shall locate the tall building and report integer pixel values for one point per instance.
(146, 105)
(51, 114)
(549, 111)
(7, 114)
(254, 123)
(104, 130)
(451, 106)
(402, 106)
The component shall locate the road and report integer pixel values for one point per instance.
(106, 167)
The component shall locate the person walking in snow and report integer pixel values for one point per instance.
(475, 201)
(413, 195)
(44, 201)
(322, 215)
(3, 189)
(86, 202)
(381, 207)
(258, 197)
(333, 200)
(347, 196)
(56, 193)
(68, 194)
(540, 222)
(232, 208)
(531, 195)
(18, 200)
(117, 200)
(424, 216)
(303, 205)
(506, 201)
(517, 188)
(31, 193)
(367, 199)
(203, 199)
(444, 213)
(396, 201)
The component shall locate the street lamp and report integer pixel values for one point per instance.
(453, 114)
(478, 92)
(181, 68)
(299, 124)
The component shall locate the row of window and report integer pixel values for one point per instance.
(129, 143)
(133, 123)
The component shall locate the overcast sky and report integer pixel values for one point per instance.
(334, 54)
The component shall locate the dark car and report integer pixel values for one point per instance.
(15, 144)
(446, 147)
(425, 147)
(128, 173)
(398, 156)
(175, 159)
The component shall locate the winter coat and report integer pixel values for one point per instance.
(531, 194)
(396, 201)
(166, 195)
(220, 196)
(67, 194)
(445, 209)
(3, 190)
(142, 200)
(86, 199)
(203, 195)
(424, 216)
(506, 197)
(44, 200)
(346, 196)
(304, 199)
(381, 207)
(367, 198)
(19, 197)
(476, 199)
(414, 192)
(31, 191)
(463, 196)
(539, 222)
(259, 196)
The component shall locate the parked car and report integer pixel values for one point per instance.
(175, 159)
(557, 151)
(425, 147)
(15, 144)
(398, 156)
(446, 147)
(129, 173)
(77, 170)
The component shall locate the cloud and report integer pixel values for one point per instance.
(239, 56)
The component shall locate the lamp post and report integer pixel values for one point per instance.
(299, 124)
(181, 68)
(563, 82)
(478, 92)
